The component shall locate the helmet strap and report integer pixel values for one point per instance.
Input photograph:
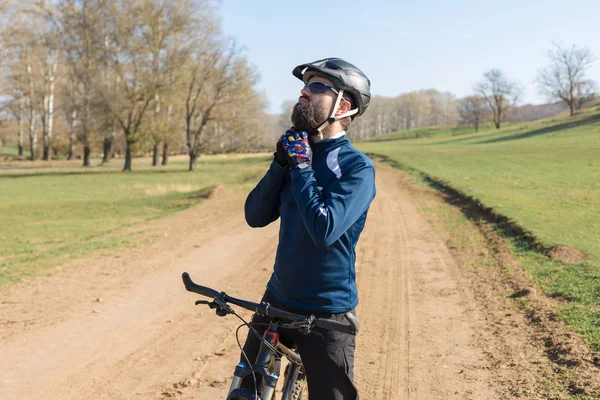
(332, 118)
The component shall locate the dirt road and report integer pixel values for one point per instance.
(124, 328)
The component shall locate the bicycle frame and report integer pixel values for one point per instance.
(268, 366)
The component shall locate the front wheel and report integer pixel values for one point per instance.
(299, 387)
(295, 383)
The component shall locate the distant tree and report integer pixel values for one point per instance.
(81, 18)
(30, 58)
(564, 79)
(141, 37)
(444, 108)
(471, 110)
(42, 32)
(217, 79)
(500, 93)
(285, 118)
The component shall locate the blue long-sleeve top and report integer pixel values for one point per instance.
(323, 209)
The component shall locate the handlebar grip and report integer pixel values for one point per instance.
(190, 286)
(274, 312)
(335, 326)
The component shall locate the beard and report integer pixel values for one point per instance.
(306, 118)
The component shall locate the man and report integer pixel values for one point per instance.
(321, 187)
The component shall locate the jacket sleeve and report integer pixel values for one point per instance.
(262, 204)
(328, 214)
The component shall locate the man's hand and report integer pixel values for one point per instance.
(281, 157)
(296, 147)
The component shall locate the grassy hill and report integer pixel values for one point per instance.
(544, 176)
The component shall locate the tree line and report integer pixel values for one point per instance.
(495, 98)
(139, 74)
(123, 77)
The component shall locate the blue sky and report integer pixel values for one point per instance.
(406, 46)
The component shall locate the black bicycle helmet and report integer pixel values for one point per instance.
(344, 76)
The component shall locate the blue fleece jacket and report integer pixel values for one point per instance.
(323, 209)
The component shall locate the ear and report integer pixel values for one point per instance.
(343, 108)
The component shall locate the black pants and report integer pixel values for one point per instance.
(328, 360)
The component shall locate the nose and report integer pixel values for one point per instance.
(305, 91)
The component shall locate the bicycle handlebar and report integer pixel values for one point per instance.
(190, 286)
(265, 308)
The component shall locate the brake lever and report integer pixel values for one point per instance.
(306, 328)
(222, 307)
(218, 304)
(213, 305)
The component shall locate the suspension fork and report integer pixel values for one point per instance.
(267, 365)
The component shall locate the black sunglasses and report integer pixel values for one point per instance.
(319, 87)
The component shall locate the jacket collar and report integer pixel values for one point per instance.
(330, 143)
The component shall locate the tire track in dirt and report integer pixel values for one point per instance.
(384, 307)
(415, 318)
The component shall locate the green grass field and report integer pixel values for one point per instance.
(54, 214)
(545, 176)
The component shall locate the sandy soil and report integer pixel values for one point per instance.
(123, 327)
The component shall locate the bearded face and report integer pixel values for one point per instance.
(308, 117)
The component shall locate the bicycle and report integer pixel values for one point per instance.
(265, 370)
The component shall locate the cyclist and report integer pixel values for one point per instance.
(321, 187)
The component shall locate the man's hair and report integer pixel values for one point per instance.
(346, 121)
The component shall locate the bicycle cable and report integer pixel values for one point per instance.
(237, 338)
(258, 335)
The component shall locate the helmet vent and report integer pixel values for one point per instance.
(332, 66)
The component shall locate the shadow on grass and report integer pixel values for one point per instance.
(549, 129)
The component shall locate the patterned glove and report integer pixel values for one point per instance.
(296, 147)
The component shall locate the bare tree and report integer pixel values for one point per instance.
(21, 78)
(109, 81)
(210, 80)
(82, 43)
(147, 39)
(565, 78)
(31, 96)
(49, 73)
(240, 115)
(500, 93)
(168, 28)
(70, 108)
(444, 108)
(43, 30)
(472, 109)
(129, 58)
